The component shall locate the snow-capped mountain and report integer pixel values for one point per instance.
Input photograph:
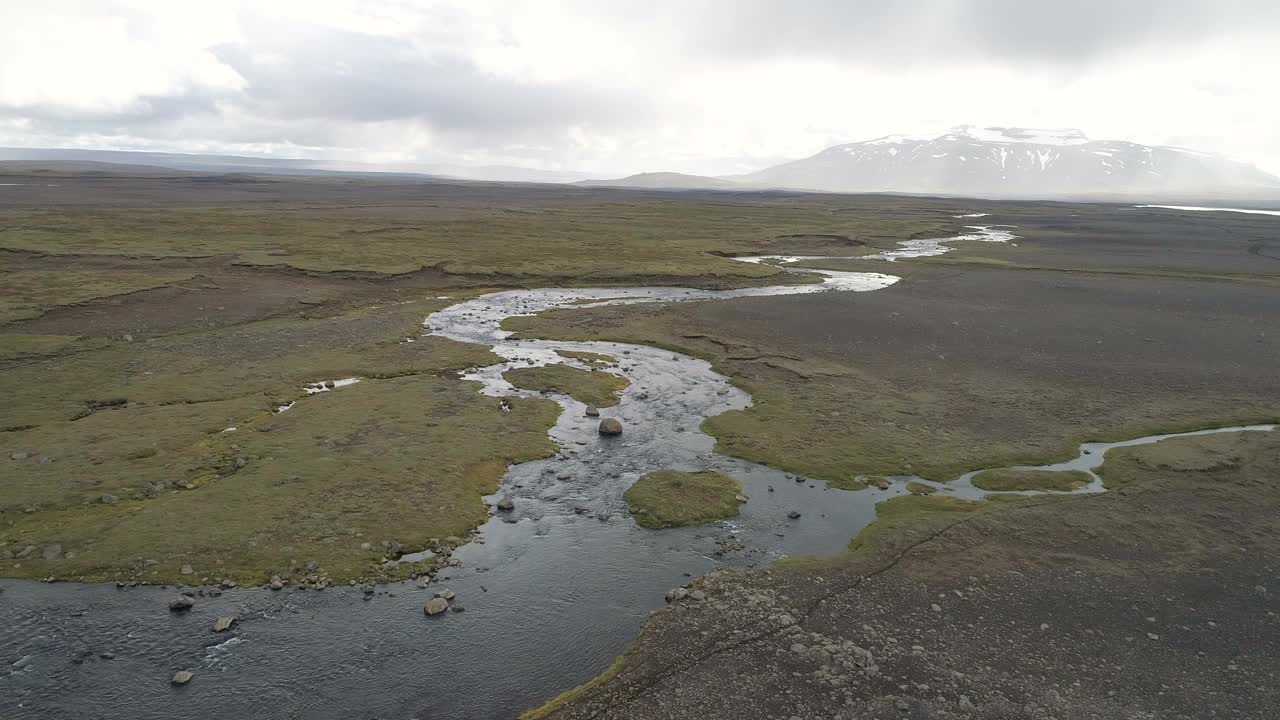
(1012, 162)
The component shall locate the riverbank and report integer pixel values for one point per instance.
(1157, 601)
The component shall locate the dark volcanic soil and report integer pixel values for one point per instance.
(1155, 602)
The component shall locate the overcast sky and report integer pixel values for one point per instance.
(613, 87)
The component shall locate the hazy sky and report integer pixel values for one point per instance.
(613, 87)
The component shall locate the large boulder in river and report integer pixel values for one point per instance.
(435, 606)
(611, 426)
(592, 411)
(182, 602)
(506, 504)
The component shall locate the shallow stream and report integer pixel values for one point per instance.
(553, 591)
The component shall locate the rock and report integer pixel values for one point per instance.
(19, 456)
(186, 570)
(107, 499)
(223, 624)
(180, 603)
(579, 510)
(610, 426)
(935, 607)
(52, 552)
(435, 606)
(506, 504)
(793, 514)
(740, 497)
(592, 411)
(312, 566)
(446, 594)
(458, 608)
(182, 677)
(676, 594)
(276, 583)
(329, 385)
(697, 595)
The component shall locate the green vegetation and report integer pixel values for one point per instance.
(30, 293)
(601, 389)
(598, 360)
(403, 461)
(117, 452)
(904, 511)
(1169, 458)
(1006, 479)
(919, 488)
(669, 498)
(21, 346)
(636, 242)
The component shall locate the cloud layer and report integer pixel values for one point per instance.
(612, 88)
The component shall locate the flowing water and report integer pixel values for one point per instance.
(553, 591)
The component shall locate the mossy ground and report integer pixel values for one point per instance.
(1009, 479)
(597, 360)
(28, 293)
(907, 510)
(669, 498)
(592, 387)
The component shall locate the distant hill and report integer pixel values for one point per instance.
(670, 180)
(1016, 162)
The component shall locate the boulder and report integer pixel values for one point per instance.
(52, 552)
(592, 411)
(223, 624)
(107, 499)
(435, 606)
(445, 594)
(506, 504)
(276, 583)
(180, 603)
(793, 514)
(182, 677)
(610, 426)
(186, 570)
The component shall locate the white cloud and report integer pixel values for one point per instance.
(620, 87)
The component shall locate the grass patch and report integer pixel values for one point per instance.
(402, 460)
(15, 346)
(601, 389)
(1168, 458)
(901, 512)
(30, 293)
(670, 498)
(1005, 479)
(919, 488)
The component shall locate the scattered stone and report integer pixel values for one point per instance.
(182, 677)
(676, 594)
(579, 510)
(793, 514)
(457, 608)
(180, 603)
(186, 570)
(697, 595)
(52, 552)
(610, 426)
(435, 606)
(276, 583)
(329, 385)
(19, 456)
(446, 594)
(506, 504)
(107, 499)
(592, 411)
(935, 607)
(223, 624)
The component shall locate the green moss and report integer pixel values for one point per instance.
(29, 293)
(669, 498)
(1198, 454)
(906, 510)
(20, 346)
(1009, 479)
(401, 460)
(919, 488)
(601, 389)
